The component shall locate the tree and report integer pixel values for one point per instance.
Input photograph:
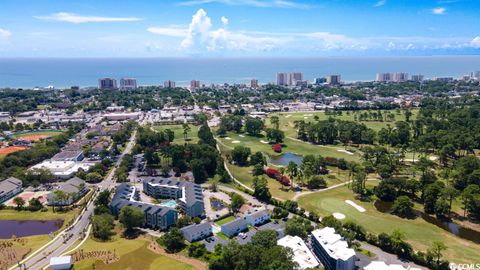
(257, 158)
(316, 182)
(403, 207)
(186, 129)
(275, 135)
(275, 121)
(386, 191)
(131, 217)
(260, 187)
(359, 178)
(103, 198)
(258, 170)
(173, 240)
(431, 195)
(253, 126)
(298, 226)
(197, 250)
(470, 196)
(60, 197)
(93, 177)
(205, 135)
(279, 213)
(102, 226)
(198, 170)
(19, 201)
(442, 208)
(436, 251)
(265, 238)
(240, 155)
(292, 169)
(34, 204)
(184, 221)
(236, 202)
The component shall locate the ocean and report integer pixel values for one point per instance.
(64, 72)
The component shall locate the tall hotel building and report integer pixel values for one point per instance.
(282, 79)
(107, 84)
(334, 79)
(169, 84)
(194, 84)
(254, 83)
(384, 77)
(400, 77)
(128, 83)
(294, 77)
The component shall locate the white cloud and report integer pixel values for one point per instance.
(169, 31)
(475, 42)
(4, 33)
(224, 21)
(252, 3)
(74, 18)
(439, 11)
(380, 3)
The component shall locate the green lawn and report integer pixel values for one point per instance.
(192, 135)
(8, 214)
(46, 133)
(418, 232)
(134, 254)
(225, 220)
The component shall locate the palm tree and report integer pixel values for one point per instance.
(275, 121)
(186, 129)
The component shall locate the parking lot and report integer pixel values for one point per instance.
(215, 240)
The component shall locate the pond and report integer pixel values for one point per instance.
(22, 228)
(458, 230)
(284, 159)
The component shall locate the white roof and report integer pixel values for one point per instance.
(333, 243)
(60, 260)
(301, 254)
(380, 265)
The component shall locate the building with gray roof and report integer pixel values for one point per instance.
(197, 232)
(188, 194)
(9, 188)
(234, 227)
(156, 216)
(75, 188)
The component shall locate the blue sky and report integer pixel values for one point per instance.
(238, 28)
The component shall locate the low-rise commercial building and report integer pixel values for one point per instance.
(332, 250)
(74, 188)
(63, 169)
(9, 188)
(301, 254)
(196, 232)
(188, 194)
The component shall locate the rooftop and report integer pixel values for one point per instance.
(333, 243)
(301, 254)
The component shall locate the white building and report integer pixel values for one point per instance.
(379, 265)
(332, 250)
(128, 83)
(169, 84)
(384, 77)
(417, 78)
(400, 77)
(61, 263)
(63, 169)
(259, 217)
(294, 77)
(301, 254)
(122, 116)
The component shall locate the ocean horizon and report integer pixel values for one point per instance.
(85, 72)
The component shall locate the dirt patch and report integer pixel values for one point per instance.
(12, 251)
(106, 256)
(193, 262)
(33, 137)
(11, 149)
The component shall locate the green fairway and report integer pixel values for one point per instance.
(52, 133)
(192, 136)
(419, 233)
(134, 254)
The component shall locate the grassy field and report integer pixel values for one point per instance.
(225, 220)
(178, 130)
(134, 254)
(8, 214)
(418, 232)
(35, 133)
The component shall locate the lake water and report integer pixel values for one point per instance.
(285, 158)
(460, 231)
(64, 72)
(22, 228)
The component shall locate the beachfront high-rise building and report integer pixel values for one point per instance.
(128, 83)
(194, 84)
(400, 77)
(107, 84)
(384, 77)
(169, 84)
(294, 77)
(282, 79)
(254, 83)
(319, 81)
(334, 79)
(417, 78)
(476, 75)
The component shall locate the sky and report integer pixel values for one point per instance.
(238, 28)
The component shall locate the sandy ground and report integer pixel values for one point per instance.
(338, 216)
(356, 206)
(33, 137)
(235, 141)
(345, 151)
(27, 195)
(11, 149)
(264, 142)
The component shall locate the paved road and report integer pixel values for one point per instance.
(68, 237)
(387, 257)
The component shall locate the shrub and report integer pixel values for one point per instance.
(284, 180)
(277, 148)
(272, 173)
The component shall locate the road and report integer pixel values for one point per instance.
(64, 240)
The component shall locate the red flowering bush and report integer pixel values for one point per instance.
(277, 148)
(284, 180)
(272, 173)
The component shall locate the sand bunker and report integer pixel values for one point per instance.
(338, 215)
(356, 206)
(243, 136)
(308, 115)
(227, 138)
(288, 116)
(345, 151)
(305, 117)
(264, 142)
(235, 141)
